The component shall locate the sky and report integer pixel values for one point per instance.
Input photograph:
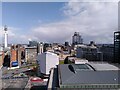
(57, 21)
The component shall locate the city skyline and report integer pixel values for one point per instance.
(57, 21)
(59, 44)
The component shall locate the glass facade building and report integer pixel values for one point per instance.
(117, 47)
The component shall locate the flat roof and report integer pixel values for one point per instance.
(31, 47)
(82, 77)
(103, 66)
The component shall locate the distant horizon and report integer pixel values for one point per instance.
(58, 43)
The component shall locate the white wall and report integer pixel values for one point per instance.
(47, 60)
(51, 61)
(42, 62)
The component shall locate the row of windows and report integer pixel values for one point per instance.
(92, 86)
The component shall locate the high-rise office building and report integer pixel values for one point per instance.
(30, 54)
(117, 47)
(76, 39)
(33, 43)
(40, 48)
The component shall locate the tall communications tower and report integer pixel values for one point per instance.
(5, 37)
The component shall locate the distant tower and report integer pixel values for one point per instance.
(76, 39)
(5, 37)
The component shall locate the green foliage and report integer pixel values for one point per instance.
(61, 62)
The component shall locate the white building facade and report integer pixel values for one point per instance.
(46, 61)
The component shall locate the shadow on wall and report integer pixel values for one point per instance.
(6, 62)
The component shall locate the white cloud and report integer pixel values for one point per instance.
(94, 20)
(14, 35)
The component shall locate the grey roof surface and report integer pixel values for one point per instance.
(103, 66)
(78, 77)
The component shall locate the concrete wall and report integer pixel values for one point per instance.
(51, 61)
(47, 60)
(42, 62)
